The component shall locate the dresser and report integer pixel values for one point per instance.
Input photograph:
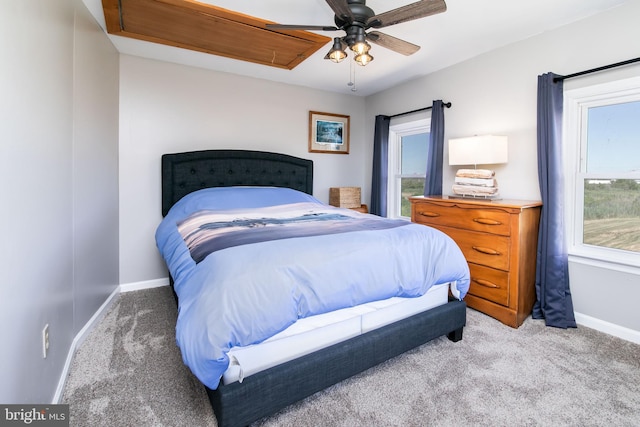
(499, 240)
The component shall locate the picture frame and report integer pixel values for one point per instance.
(328, 133)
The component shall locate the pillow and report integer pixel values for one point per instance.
(224, 198)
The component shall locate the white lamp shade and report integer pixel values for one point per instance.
(478, 150)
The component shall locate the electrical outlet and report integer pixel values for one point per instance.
(45, 340)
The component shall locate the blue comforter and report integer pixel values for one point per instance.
(248, 262)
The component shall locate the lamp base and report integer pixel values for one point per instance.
(475, 196)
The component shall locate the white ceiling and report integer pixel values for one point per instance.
(467, 29)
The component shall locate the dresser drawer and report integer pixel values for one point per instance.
(481, 248)
(449, 214)
(489, 283)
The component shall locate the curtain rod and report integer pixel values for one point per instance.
(594, 70)
(445, 104)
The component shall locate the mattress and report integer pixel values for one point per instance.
(313, 333)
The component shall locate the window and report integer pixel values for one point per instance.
(603, 157)
(408, 149)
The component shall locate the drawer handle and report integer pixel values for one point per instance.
(487, 251)
(486, 283)
(430, 214)
(487, 221)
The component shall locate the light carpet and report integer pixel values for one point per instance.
(128, 372)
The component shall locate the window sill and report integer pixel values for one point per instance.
(617, 265)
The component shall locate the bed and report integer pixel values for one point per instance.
(242, 382)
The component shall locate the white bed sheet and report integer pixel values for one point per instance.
(313, 333)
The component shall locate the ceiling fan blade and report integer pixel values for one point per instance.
(412, 11)
(300, 27)
(341, 9)
(392, 43)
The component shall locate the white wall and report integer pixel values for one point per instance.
(58, 137)
(496, 93)
(166, 108)
(95, 167)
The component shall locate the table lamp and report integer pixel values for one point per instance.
(474, 151)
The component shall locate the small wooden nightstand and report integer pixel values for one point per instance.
(362, 208)
(499, 240)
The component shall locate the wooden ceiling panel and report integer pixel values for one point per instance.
(201, 27)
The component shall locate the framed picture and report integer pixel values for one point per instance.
(328, 133)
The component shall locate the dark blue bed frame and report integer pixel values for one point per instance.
(265, 393)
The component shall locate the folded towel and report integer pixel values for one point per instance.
(475, 173)
(481, 182)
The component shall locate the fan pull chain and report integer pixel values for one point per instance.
(352, 77)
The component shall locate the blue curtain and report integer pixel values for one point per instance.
(433, 183)
(380, 166)
(554, 303)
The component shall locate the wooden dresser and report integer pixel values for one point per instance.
(499, 240)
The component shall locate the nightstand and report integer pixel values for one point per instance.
(347, 197)
(499, 240)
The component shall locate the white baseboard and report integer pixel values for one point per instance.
(608, 328)
(147, 284)
(79, 339)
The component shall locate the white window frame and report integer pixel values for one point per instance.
(396, 132)
(576, 104)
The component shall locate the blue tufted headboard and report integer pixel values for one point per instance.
(183, 173)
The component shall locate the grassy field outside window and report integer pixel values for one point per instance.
(612, 214)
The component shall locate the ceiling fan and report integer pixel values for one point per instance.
(354, 17)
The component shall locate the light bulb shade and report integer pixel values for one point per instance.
(337, 53)
(363, 59)
(478, 150)
(360, 48)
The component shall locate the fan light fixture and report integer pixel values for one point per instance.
(358, 45)
(336, 54)
(363, 59)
